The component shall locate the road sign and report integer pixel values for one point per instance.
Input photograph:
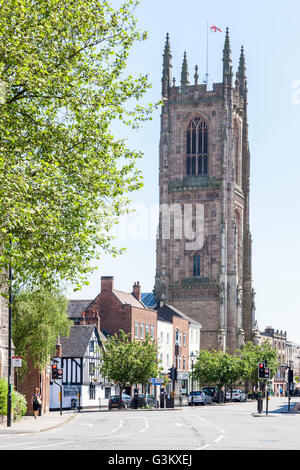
(157, 381)
(16, 361)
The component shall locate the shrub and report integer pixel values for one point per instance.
(18, 401)
(19, 405)
(3, 397)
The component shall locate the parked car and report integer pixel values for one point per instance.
(237, 395)
(198, 398)
(212, 392)
(144, 400)
(151, 400)
(208, 397)
(114, 401)
(141, 402)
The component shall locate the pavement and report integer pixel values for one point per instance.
(46, 422)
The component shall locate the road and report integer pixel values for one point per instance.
(227, 427)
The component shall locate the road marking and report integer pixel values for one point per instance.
(49, 445)
(201, 419)
(146, 425)
(204, 447)
(119, 427)
(219, 438)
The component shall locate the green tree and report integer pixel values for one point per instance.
(217, 368)
(128, 362)
(64, 176)
(205, 368)
(251, 355)
(229, 370)
(39, 317)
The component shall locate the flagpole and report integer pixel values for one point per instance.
(206, 76)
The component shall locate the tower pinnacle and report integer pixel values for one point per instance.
(167, 68)
(184, 73)
(227, 61)
(241, 78)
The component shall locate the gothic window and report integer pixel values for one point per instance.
(197, 147)
(196, 266)
(188, 165)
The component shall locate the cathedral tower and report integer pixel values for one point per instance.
(204, 241)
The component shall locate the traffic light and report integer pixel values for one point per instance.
(261, 370)
(267, 373)
(290, 376)
(172, 373)
(56, 372)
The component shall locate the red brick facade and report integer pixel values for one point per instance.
(115, 310)
(35, 379)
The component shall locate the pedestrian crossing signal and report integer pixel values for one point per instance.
(56, 372)
(263, 371)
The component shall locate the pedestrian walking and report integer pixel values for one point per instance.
(36, 402)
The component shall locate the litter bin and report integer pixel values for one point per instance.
(170, 401)
(73, 403)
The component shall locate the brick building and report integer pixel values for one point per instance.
(35, 378)
(205, 169)
(114, 310)
(278, 341)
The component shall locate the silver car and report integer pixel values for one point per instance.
(197, 398)
(237, 395)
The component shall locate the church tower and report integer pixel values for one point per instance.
(204, 240)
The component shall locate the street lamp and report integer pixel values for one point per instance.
(192, 357)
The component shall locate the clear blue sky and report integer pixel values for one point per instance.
(270, 34)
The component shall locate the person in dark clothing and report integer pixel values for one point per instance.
(36, 402)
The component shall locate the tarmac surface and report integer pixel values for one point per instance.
(233, 426)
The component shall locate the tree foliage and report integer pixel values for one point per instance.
(252, 354)
(64, 176)
(39, 317)
(127, 361)
(218, 368)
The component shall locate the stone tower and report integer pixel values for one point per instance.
(204, 176)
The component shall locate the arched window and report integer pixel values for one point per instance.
(196, 266)
(197, 147)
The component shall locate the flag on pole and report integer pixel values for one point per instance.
(215, 29)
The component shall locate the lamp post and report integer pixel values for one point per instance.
(192, 357)
(9, 392)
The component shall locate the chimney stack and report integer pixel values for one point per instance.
(107, 283)
(137, 291)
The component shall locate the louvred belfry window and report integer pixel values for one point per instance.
(197, 147)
